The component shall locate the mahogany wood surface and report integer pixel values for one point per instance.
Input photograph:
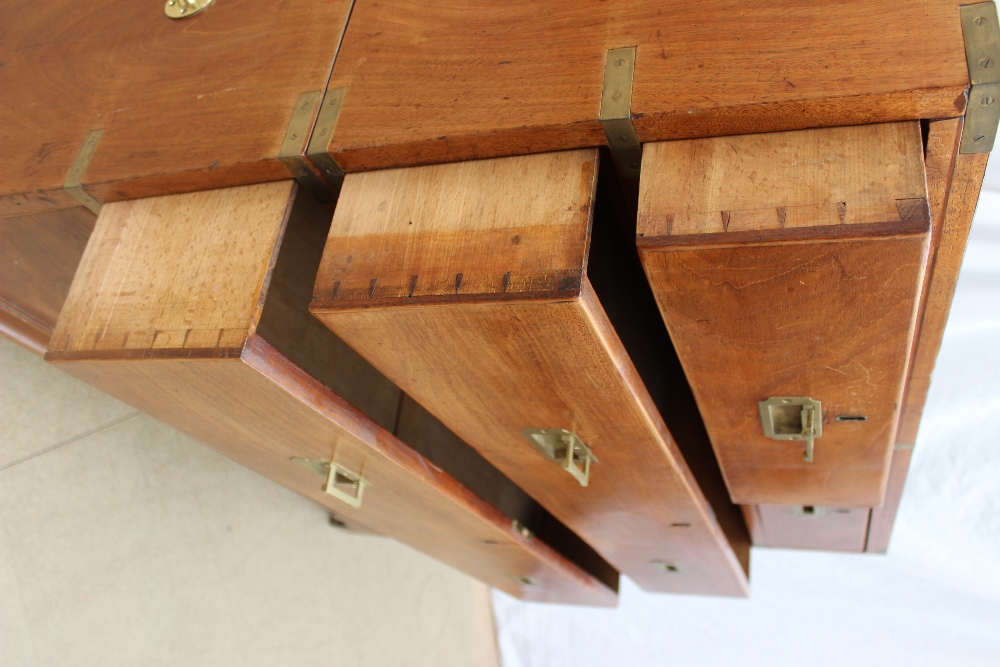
(173, 311)
(39, 254)
(790, 264)
(883, 518)
(439, 82)
(953, 182)
(808, 527)
(465, 284)
(190, 104)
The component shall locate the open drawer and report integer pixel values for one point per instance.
(192, 308)
(788, 269)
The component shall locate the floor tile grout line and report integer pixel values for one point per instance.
(69, 441)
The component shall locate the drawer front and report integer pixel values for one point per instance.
(427, 83)
(192, 308)
(38, 255)
(789, 266)
(191, 104)
(808, 527)
(466, 285)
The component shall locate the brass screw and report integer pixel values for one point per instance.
(980, 20)
(986, 63)
(986, 101)
(981, 137)
(620, 62)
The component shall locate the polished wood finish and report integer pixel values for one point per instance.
(430, 82)
(883, 518)
(467, 285)
(790, 264)
(956, 194)
(192, 308)
(953, 182)
(808, 527)
(39, 254)
(185, 105)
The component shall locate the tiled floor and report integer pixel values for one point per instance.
(123, 542)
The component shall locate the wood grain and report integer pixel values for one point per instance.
(446, 82)
(823, 308)
(787, 180)
(501, 354)
(963, 195)
(883, 518)
(954, 182)
(39, 254)
(185, 105)
(169, 270)
(816, 528)
(435, 220)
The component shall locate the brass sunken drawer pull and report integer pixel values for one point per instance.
(792, 418)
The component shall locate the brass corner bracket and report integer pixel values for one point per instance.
(981, 31)
(616, 112)
(319, 143)
(300, 137)
(73, 185)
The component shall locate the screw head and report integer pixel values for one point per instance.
(986, 101)
(981, 137)
(620, 62)
(986, 63)
(617, 96)
(980, 20)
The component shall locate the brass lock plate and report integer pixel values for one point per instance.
(564, 447)
(792, 418)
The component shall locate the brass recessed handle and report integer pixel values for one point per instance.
(565, 448)
(181, 9)
(792, 418)
(341, 483)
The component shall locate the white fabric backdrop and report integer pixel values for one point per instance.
(934, 600)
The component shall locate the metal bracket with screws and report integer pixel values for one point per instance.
(73, 185)
(319, 143)
(981, 31)
(293, 147)
(616, 112)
